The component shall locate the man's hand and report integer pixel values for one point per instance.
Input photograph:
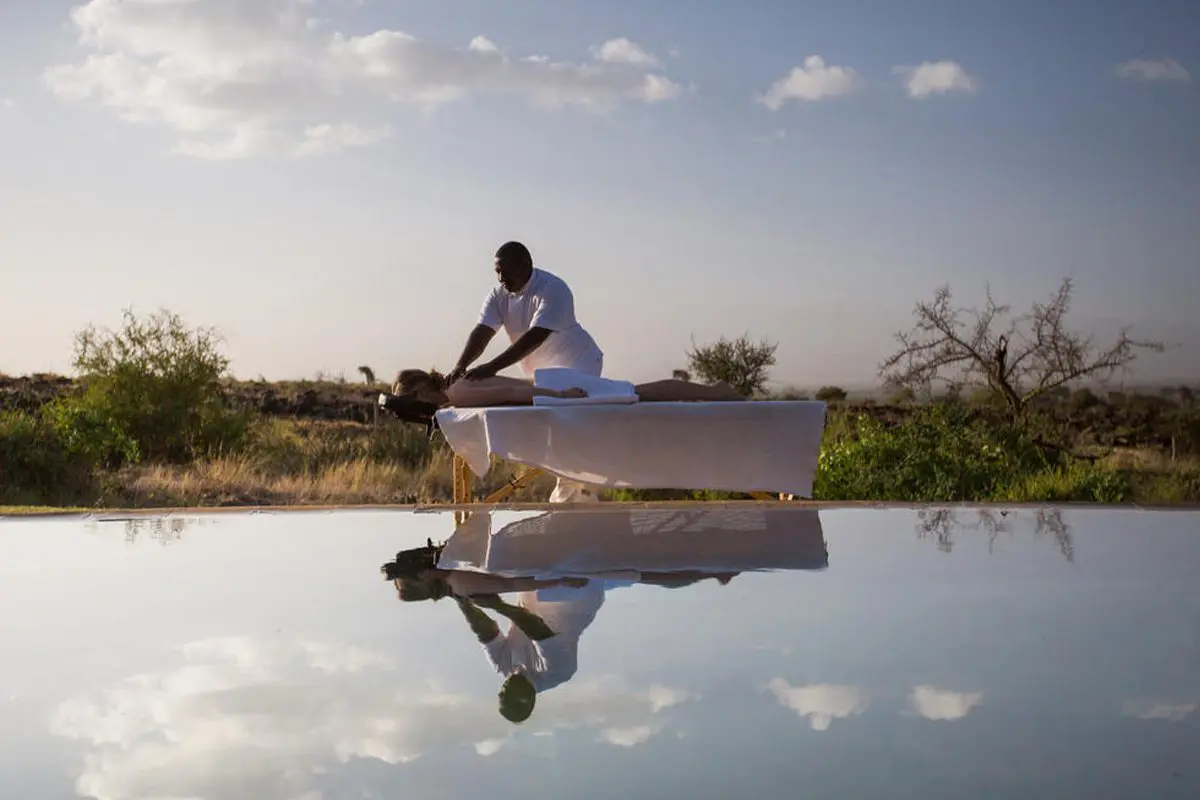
(530, 340)
(482, 371)
(477, 342)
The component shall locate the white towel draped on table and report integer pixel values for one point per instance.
(751, 446)
(599, 390)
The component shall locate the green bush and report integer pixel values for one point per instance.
(1073, 483)
(150, 391)
(87, 430)
(35, 466)
(942, 453)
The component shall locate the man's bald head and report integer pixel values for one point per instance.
(514, 265)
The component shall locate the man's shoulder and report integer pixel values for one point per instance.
(549, 281)
(495, 294)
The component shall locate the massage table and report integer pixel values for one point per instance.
(767, 449)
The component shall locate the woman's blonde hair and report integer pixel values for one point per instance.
(409, 381)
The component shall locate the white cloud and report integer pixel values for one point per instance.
(936, 77)
(6, 103)
(811, 82)
(623, 51)
(238, 79)
(244, 718)
(326, 138)
(1163, 69)
(482, 44)
(821, 704)
(935, 704)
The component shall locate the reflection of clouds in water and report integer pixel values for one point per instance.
(936, 704)
(1158, 710)
(821, 703)
(628, 737)
(659, 698)
(244, 718)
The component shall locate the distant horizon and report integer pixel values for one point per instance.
(1146, 370)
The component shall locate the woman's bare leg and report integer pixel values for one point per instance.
(674, 391)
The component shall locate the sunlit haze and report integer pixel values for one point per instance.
(326, 181)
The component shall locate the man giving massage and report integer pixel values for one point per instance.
(435, 389)
(537, 310)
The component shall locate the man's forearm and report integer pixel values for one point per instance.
(531, 340)
(483, 626)
(477, 342)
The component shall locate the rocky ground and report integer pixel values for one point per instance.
(326, 400)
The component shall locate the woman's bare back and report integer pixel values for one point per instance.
(499, 391)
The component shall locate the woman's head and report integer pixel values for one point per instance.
(415, 574)
(429, 585)
(429, 386)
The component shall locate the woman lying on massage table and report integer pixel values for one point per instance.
(430, 387)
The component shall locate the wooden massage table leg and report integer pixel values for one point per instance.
(516, 483)
(463, 482)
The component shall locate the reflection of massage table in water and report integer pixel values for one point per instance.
(762, 448)
(583, 542)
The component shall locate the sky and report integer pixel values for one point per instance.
(325, 182)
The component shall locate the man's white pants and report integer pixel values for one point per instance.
(567, 491)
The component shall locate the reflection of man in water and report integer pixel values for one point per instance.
(541, 649)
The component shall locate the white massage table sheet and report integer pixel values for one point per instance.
(628, 542)
(764, 446)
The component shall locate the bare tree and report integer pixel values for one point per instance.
(1031, 356)
(367, 373)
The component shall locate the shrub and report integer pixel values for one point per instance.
(942, 452)
(87, 431)
(831, 394)
(150, 391)
(35, 467)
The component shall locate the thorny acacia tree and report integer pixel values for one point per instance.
(741, 363)
(1033, 355)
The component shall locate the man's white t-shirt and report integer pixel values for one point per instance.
(544, 302)
(554, 661)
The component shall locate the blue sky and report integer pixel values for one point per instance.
(329, 193)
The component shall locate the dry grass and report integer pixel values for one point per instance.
(1150, 460)
(245, 481)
